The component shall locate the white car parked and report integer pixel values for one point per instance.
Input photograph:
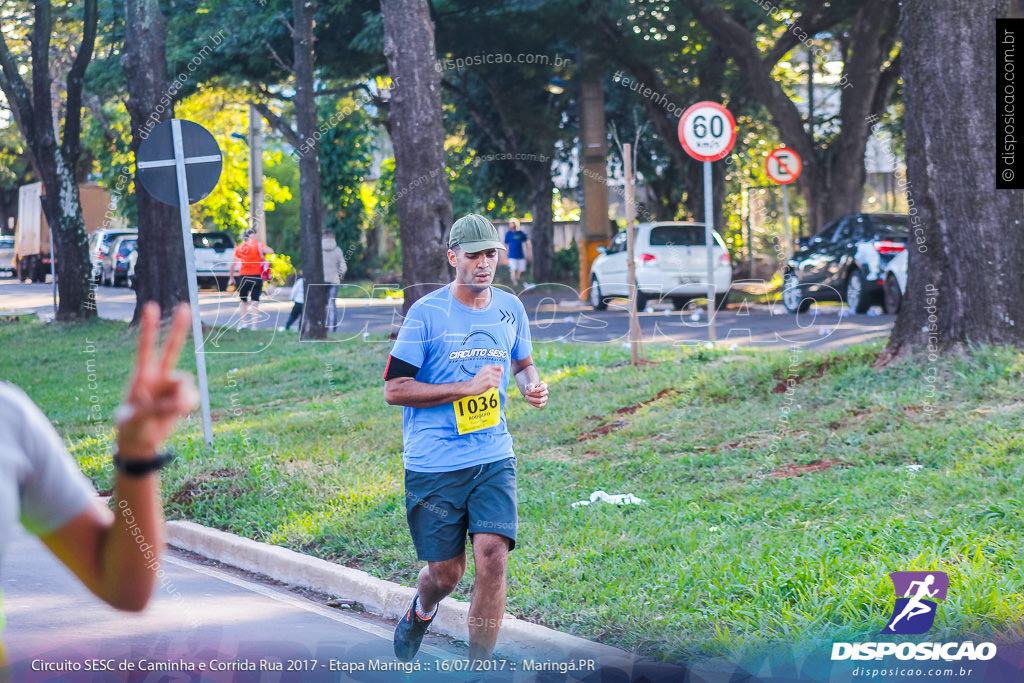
(895, 282)
(214, 253)
(671, 262)
(7, 256)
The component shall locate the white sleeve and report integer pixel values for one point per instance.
(52, 490)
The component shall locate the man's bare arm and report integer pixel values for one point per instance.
(406, 391)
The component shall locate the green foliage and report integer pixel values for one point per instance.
(345, 149)
(280, 268)
(566, 266)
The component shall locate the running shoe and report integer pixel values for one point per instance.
(409, 633)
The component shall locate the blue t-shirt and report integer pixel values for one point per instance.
(449, 342)
(515, 241)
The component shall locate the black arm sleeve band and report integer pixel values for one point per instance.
(399, 368)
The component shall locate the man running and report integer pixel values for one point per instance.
(450, 368)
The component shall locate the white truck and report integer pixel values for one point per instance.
(32, 234)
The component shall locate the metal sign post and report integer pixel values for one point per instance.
(707, 132)
(784, 166)
(165, 151)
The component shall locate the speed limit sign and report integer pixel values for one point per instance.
(707, 131)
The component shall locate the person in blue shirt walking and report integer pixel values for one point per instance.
(519, 250)
(450, 369)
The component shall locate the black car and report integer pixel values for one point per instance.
(844, 262)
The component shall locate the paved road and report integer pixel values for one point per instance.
(554, 318)
(233, 626)
(215, 624)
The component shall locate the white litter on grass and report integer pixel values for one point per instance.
(733, 347)
(709, 345)
(366, 335)
(912, 468)
(232, 371)
(614, 499)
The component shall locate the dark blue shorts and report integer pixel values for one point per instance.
(443, 507)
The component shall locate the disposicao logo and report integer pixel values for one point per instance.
(913, 613)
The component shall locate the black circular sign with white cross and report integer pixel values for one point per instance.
(179, 149)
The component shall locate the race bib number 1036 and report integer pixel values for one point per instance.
(474, 413)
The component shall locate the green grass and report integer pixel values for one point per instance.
(724, 559)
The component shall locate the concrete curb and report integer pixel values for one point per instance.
(517, 638)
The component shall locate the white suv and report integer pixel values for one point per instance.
(671, 262)
(214, 253)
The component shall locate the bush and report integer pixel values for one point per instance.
(566, 266)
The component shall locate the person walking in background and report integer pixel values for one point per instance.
(334, 271)
(115, 554)
(250, 256)
(520, 251)
(298, 295)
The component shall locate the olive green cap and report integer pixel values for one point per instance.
(474, 233)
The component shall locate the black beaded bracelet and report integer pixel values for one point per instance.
(133, 467)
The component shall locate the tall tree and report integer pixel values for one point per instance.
(160, 275)
(510, 113)
(304, 63)
(966, 260)
(832, 181)
(55, 161)
(424, 203)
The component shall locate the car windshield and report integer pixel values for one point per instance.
(890, 224)
(211, 240)
(109, 238)
(677, 236)
(126, 247)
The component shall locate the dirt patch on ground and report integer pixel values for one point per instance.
(221, 482)
(626, 410)
(799, 374)
(799, 470)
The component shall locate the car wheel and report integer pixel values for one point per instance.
(793, 298)
(596, 299)
(641, 300)
(855, 296)
(679, 302)
(893, 295)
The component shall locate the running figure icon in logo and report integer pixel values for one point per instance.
(914, 613)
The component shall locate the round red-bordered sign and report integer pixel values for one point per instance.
(707, 131)
(783, 165)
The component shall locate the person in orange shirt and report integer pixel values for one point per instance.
(249, 258)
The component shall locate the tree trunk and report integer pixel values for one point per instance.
(315, 312)
(421, 183)
(160, 272)
(55, 163)
(542, 231)
(966, 258)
